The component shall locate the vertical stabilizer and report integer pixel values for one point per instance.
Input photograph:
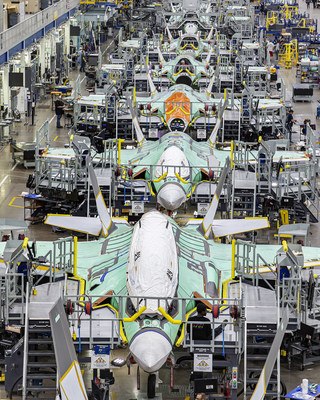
(103, 213)
(205, 227)
(169, 33)
(214, 133)
(140, 136)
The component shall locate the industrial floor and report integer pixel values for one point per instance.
(13, 179)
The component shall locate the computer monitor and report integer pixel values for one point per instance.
(16, 79)
(206, 385)
(74, 30)
(93, 60)
(306, 331)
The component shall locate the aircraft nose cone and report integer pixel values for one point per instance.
(150, 350)
(171, 196)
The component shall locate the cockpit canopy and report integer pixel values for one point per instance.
(172, 161)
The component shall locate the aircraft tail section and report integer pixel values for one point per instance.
(214, 133)
(150, 81)
(169, 33)
(209, 88)
(88, 225)
(224, 227)
(208, 59)
(140, 136)
(103, 213)
(207, 222)
(161, 59)
(211, 31)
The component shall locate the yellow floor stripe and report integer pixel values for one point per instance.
(61, 141)
(13, 205)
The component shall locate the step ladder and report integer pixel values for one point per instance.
(40, 374)
(259, 341)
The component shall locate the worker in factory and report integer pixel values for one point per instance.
(82, 60)
(289, 123)
(201, 396)
(200, 331)
(59, 106)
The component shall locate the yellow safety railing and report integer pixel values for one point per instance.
(136, 315)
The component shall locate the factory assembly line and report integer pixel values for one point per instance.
(181, 202)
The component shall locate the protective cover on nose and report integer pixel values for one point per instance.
(171, 196)
(150, 349)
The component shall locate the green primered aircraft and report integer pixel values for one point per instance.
(173, 163)
(156, 258)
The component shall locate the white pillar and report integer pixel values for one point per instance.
(1, 15)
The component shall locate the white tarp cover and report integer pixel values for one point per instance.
(173, 156)
(152, 268)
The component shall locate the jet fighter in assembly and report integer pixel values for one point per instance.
(189, 42)
(183, 69)
(180, 106)
(156, 261)
(155, 258)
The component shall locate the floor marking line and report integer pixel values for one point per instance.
(4, 179)
(51, 119)
(55, 138)
(82, 79)
(13, 205)
(14, 166)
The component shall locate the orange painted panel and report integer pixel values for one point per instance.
(178, 106)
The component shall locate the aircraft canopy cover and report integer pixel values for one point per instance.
(152, 262)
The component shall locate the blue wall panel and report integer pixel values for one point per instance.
(34, 38)
(15, 49)
(49, 26)
(61, 19)
(3, 58)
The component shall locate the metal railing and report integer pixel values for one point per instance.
(12, 37)
(251, 265)
(25, 345)
(60, 260)
(117, 305)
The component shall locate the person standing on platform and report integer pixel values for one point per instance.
(289, 123)
(59, 105)
(82, 61)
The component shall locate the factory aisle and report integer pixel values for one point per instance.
(12, 183)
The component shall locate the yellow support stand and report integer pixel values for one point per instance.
(288, 54)
(284, 217)
(271, 19)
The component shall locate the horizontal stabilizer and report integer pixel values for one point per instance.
(224, 227)
(91, 226)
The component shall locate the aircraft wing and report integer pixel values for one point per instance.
(226, 227)
(91, 226)
(102, 264)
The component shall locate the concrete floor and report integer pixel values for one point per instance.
(12, 183)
